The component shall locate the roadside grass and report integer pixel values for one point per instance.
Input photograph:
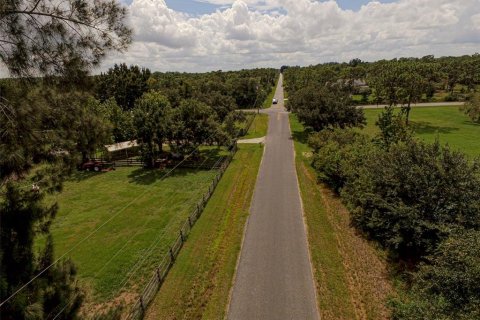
(448, 124)
(258, 128)
(146, 213)
(268, 101)
(198, 285)
(350, 274)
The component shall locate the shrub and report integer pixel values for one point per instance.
(336, 155)
(448, 286)
(411, 197)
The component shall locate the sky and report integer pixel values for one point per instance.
(205, 35)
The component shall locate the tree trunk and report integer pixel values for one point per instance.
(408, 112)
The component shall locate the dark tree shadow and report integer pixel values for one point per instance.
(79, 176)
(302, 136)
(145, 176)
(423, 127)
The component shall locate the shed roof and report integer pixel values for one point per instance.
(121, 145)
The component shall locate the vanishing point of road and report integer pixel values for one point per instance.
(274, 276)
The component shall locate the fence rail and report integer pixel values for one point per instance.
(152, 287)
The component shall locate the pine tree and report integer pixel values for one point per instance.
(48, 47)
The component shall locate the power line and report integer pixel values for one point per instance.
(150, 249)
(102, 225)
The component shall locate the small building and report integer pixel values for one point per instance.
(122, 150)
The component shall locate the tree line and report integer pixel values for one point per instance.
(401, 82)
(420, 201)
(183, 110)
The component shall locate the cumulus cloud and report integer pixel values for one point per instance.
(253, 33)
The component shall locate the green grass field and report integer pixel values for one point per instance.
(350, 276)
(144, 215)
(258, 128)
(199, 283)
(448, 124)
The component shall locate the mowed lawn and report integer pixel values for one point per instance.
(351, 275)
(448, 124)
(136, 215)
(199, 283)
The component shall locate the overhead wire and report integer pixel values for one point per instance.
(101, 226)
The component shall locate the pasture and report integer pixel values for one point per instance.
(447, 124)
(137, 215)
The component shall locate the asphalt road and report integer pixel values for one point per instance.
(274, 276)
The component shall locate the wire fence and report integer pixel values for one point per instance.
(244, 130)
(139, 307)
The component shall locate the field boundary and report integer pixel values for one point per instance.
(146, 297)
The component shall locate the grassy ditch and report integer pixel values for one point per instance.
(199, 283)
(351, 275)
(258, 128)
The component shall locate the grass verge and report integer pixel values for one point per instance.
(448, 124)
(198, 285)
(351, 276)
(258, 128)
(268, 101)
(146, 213)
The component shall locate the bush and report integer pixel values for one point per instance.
(336, 155)
(448, 286)
(411, 197)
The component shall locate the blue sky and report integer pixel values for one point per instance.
(199, 7)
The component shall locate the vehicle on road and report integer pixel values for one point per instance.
(275, 101)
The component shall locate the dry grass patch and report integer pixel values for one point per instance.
(351, 274)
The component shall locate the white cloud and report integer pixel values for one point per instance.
(252, 33)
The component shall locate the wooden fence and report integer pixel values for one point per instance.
(148, 293)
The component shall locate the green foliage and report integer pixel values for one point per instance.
(325, 107)
(412, 196)
(23, 217)
(121, 121)
(395, 82)
(472, 107)
(92, 126)
(124, 84)
(195, 124)
(336, 155)
(448, 285)
(57, 38)
(153, 121)
(223, 91)
(392, 128)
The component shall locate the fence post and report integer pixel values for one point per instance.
(159, 276)
(172, 257)
(142, 307)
